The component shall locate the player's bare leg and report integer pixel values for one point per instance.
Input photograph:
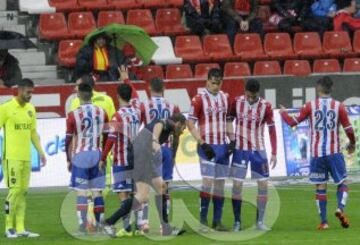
(261, 204)
(205, 197)
(321, 202)
(342, 195)
(237, 203)
(218, 201)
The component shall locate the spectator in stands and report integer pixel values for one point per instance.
(240, 16)
(100, 59)
(344, 19)
(10, 73)
(133, 63)
(289, 13)
(322, 14)
(203, 16)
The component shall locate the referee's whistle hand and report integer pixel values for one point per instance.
(43, 160)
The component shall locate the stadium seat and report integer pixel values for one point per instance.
(67, 52)
(53, 26)
(326, 66)
(108, 17)
(217, 47)
(308, 45)
(81, 23)
(189, 48)
(278, 46)
(168, 22)
(351, 65)
(266, 68)
(297, 67)
(142, 18)
(175, 3)
(179, 71)
(356, 42)
(153, 3)
(65, 5)
(152, 71)
(201, 70)
(125, 4)
(264, 13)
(337, 44)
(237, 69)
(94, 4)
(248, 47)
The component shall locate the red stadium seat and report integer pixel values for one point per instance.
(108, 17)
(67, 52)
(65, 5)
(153, 3)
(142, 18)
(266, 68)
(175, 3)
(264, 14)
(248, 47)
(278, 46)
(125, 4)
(94, 4)
(308, 45)
(81, 23)
(351, 65)
(202, 70)
(53, 26)
(217, 47)
(326, 66)
(356, 42)
(179, 71)
(168, 22)
(337, 44)
(189, 48)
(297, 67)
(237, 69)
(150, 72)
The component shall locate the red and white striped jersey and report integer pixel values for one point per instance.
(85, 126)
(250, 120)
(210, 111)
(325, 115)
(157, 108)
(124, 127)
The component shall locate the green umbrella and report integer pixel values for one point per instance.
(122, 34)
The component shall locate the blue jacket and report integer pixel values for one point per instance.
(323, 7)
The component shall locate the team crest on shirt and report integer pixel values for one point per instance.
(30, 113)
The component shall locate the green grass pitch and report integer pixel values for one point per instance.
(296, 223)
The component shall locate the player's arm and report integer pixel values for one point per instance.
(175, 144)
(70, 131)
(158, 128)
(345, 122)
(230, 127)
(293, 121)
(124, 76)
(36, 141)
(110, 140)
(269, 119)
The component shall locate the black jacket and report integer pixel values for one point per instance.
(301, 7)
(191, 13)
(11, 71)
(85, 64)
(230, 12)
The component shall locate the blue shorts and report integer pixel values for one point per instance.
(121, 181)
(258, 163)
(219, 167)
(320, 168)
(168, 163)
(85, 173)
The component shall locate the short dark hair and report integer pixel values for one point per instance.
(326, 84)
(88, 79)
(26, 82)
(215, 72)
(157, 85)
(252, 85)
(85, 92)
(178, 117)
(124, 91)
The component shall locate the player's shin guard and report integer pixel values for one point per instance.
(162, 210)
(218, 201)
(82, 209)
(20, 212)
(99, 209)
(321, 202)
(126, 206)
(342, 195)
(205, 196)
(261, 204)
(236, 204)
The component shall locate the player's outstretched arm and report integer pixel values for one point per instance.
(36, 141)
(305, 112)
(269, 119)
(156, 136)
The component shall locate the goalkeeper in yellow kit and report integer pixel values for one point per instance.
(18, 119)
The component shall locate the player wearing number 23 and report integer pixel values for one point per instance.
(326, 115)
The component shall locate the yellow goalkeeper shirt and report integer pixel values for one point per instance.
(99, 99)
(18, 122)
